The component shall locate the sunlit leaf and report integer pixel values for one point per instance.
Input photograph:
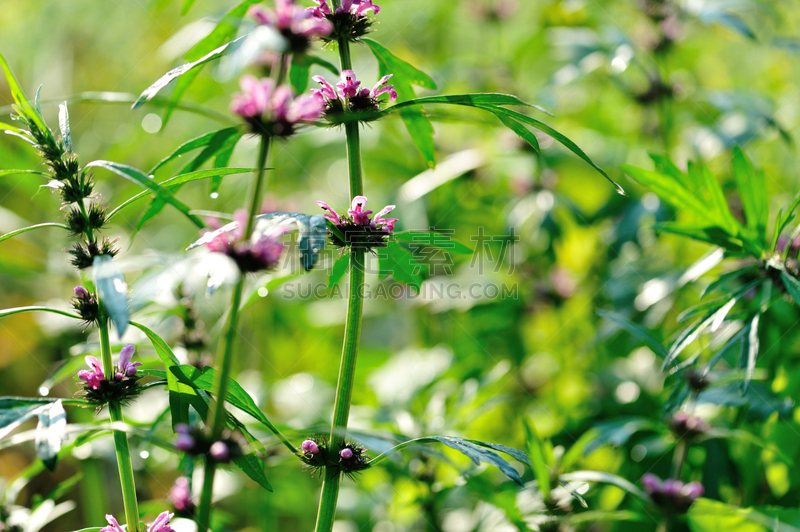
(112, 290)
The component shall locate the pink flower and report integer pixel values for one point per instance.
(333, 216)
(358, 8)
(94, 377)
(292, 19)
(356, 227)
(350, 95)
(273, 110)
(261, 252)
(161, 524)
(113, 525)
(181, 495)
(347, 454)
(387, 222)
(360, 216)
(348, 87)
(310, 446)
(125, 367)
(670, 494)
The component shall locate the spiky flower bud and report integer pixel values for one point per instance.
(83, 254)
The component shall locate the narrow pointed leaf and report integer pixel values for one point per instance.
(636, 330)
(150, 92)
(140, 178)
(63, 123)
(22, 101)
(340, 268)
(30, 228)
(752, 191)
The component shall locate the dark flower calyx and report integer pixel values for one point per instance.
(83, 254)
(94, 220)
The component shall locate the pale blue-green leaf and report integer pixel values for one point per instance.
(112, 291)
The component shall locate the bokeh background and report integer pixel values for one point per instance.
(620, 80)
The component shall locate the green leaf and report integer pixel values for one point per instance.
(578, 449)
(301, 68)
(727, 277)
(635, 329)
(63, 123)
(340, 268)
(236, 395)
(180, 179)
(537, 459)
(404, 76)
(30, 228)
(14, 411)
(140, 178)
(213, 143)
(150, 92)
(617, 432)
(480, 100)
(180, 395)
(112, 290)
(562, 139)
(187, 5)
(792, 286)
(18, 310)
(752, 345)
(13, 172)
(432, 238)
(752, 192)
(224, 31)
(605, 478)
(761, 402)
(22, 101)
(397, 261)
(520, 130)
(51, 433)
(668, 189)
(706, 515)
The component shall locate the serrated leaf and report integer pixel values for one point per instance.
(140, 178)
(51, 434)
(112, 290)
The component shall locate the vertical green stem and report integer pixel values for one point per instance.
(120, 439)
(216, 411)
(352, 334)
(681, 448)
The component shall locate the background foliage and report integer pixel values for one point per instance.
(471, 367)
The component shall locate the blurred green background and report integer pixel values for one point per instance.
(620, 82)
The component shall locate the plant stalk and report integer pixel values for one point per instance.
(216, 411)
(352, 335)
(120, 439)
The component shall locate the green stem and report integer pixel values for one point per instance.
(352, 327)
(120, 439)
(204, 510)
(681, 448)
(216, 411)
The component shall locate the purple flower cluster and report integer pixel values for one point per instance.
(94, 377)
(161, 524)
(686, 425)
(350, 96)
(310, 446)
(356, 228)
(670, 495)
(358, 8)
(261, 252)
(273, 110)
(297, 25)
(195, 441)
